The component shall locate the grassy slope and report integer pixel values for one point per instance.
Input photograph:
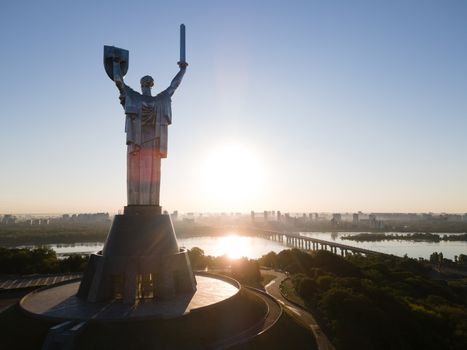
(288, 333)
(288, 290)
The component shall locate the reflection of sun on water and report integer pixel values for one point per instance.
(235, 247)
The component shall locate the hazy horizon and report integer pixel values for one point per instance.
(312, 106)
(233, 212)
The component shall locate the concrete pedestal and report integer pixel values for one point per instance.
(140, 260)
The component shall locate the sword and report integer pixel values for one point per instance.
(182, 45)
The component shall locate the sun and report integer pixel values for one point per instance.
(231, 175)
(235, 247)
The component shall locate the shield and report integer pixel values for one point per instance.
(110, 52)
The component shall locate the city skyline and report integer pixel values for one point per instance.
(305, 106)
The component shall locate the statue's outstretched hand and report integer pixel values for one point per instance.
(182, 65)
(118, 80)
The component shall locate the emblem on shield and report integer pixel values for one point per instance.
(110, 53)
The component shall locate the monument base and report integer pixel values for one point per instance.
(142, 210)
(140, 260)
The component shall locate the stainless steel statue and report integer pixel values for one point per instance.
(141, 258)
(147, 121)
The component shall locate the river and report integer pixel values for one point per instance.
(254, 247)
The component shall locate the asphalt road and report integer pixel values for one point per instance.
(274, 312)
(273, 288)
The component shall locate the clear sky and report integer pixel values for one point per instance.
(288, 105)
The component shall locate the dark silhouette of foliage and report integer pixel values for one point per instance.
(38, 260)
(197, 258)
(244, 270)
(379, 302)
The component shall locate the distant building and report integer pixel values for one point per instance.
(8, 219)
(189, 217)
(428, 216)
(355, 218)
(86, 218)
(34, 222)
(454, 218)
(374, 223)
(336, 219)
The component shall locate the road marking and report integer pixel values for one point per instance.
(270, 284)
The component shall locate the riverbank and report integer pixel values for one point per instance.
(417, 237)
(64, 233)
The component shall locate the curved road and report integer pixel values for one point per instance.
(273, 288)
(273, 314)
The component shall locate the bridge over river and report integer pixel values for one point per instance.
(295, 240)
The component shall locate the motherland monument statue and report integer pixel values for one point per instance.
(147, 120)
(141, 258)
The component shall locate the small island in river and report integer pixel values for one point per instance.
(417, 237)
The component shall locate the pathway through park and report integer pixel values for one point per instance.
(273, 288)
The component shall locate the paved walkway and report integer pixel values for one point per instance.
(273, 288)
(61, 302)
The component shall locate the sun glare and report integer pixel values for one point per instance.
(235, 247)
(231, 175)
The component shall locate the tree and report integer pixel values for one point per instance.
(197, 258)
(269, 260)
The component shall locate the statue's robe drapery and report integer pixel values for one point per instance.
(147, 120)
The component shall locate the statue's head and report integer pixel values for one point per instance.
(147, 82)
